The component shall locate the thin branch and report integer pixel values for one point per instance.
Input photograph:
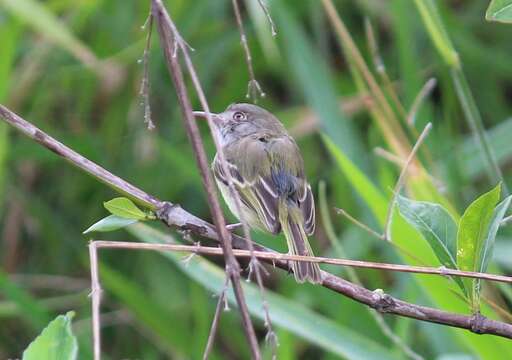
(169, 36)
(215, 321)
(375, 234)
(254, 265)
(253, 88)
(420, 99)
(144, 86)
(358, 223)
(392, 158)
(275, 256)
(79, 161)
(96, 300)
(389, 156)
(264, 7)
(401, 179)
(176, 217)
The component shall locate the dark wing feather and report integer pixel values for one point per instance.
(307, 206)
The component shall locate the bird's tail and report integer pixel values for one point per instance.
(292, 221)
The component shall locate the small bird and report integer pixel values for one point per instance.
(268, 173)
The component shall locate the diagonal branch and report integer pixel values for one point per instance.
(174, 216)
(169, 37)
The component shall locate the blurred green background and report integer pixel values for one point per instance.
(72, 68)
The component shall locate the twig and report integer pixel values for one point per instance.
(169, 36)
(215, 321)
(389, 156)
(254, 265)
(365, 227)
(144, 86)
(392, 158)
(420, 98)
(79, 161)
(96, 300)
(264, 7)
(253, 88)
(375, 234)
(400, 181)
(275, 256)
(176, 217)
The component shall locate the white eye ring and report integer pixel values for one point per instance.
(239, 116)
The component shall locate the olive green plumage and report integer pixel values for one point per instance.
(268, 172)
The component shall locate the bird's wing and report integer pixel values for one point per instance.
(253, 183)
(266, 169)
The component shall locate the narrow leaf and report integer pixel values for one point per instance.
(499, 10)
(125, 208)
(110, 223)
(56, 342)
(474, 229)
(435, 224)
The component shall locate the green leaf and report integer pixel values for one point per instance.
(499, 10)
(56, 342)
(110, 223)
(488, 246)
(472, 237)
(125, 208)
(437, 226)
(288, 314)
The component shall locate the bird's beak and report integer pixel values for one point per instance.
(201, 114)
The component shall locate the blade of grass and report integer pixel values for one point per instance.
(444, 46)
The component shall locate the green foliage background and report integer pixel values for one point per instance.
(157, 307)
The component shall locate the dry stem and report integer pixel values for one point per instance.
(253, 88)
(170, 36)
(177, 217)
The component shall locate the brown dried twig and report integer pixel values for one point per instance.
(275, 256)
(171, 41)
(253, 88)
(216, 318)
(144, 86)
(401, 179)
(176, 217)
(254, 265)
(264, 7)
(96, 300)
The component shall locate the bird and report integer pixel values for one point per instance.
(267, 170)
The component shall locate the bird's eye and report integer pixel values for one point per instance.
(239, 116)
